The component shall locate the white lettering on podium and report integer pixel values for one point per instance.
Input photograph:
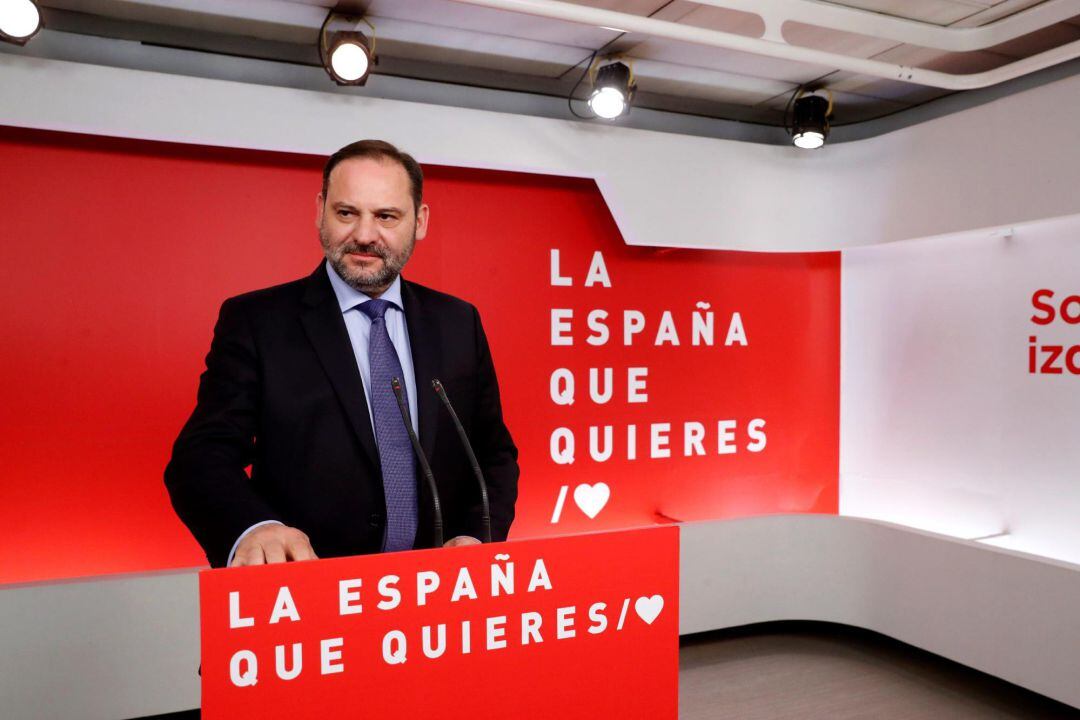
(394, 647)
(388, 590)
(235, 621)
(330, 655)
(599, 620)
(349, 597)
(240, 678)
(564, 623)
(297, 661)
(539, 577)
(496, 632)
(284, 607)
(427, 582)
(464, 586)
(502, 579)
(530, 627)
(429, 650)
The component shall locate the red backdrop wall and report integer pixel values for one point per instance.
(119, 253)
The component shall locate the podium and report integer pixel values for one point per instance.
(581, 626)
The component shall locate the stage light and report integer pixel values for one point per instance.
(20, 20)
(810, 126)
(613, 88)
(347, 55)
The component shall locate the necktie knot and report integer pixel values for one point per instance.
(375, 309)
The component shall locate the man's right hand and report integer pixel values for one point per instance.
(273, 543)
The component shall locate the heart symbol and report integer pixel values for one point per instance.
(592, 498)
(648, 608)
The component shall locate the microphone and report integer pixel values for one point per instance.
(485, 507)
(436, 505)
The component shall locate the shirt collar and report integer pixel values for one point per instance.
(349, 297)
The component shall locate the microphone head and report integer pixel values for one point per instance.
(437, 385)
(395, 384)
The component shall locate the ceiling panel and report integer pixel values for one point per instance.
(728, 61)
(1034, 43)
(420, 41)
(454, 42)
(939, 12)
(471, 17)
(633, 7)
(843, 43)
(699, 82)
(732, 21)
(890, 90)
(997, 12)
(670, 12)
(944, 61)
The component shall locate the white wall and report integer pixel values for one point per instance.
(1010, 160)
(1008, 614)
(942, 425)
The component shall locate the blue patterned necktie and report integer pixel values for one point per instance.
(395, 449)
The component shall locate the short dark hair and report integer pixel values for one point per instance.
(378, 150)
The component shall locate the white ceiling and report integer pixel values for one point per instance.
(454, 42)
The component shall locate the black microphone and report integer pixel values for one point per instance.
(485, 507)
(436, 505)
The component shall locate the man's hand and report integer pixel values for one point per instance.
(274, 543)
(461, 540)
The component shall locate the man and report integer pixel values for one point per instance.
(297, 386)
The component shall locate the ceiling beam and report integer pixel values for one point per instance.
(556, 10)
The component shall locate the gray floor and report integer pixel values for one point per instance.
(814, 670)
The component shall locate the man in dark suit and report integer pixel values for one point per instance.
(297, 386)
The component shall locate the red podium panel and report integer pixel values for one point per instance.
(582, 626)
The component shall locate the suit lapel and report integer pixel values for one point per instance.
(426, 353)
(325, 328)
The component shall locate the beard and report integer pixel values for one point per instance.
(375, 279)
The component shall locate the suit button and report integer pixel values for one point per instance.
(375, 520)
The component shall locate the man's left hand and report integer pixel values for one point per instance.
(461, 540)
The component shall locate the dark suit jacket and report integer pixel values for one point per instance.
(282, 393)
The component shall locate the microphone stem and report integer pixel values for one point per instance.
(484, 504)
(436, 505)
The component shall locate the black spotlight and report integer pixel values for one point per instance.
(811, 122)
(20, 20)
(347, 55)
(613, 89)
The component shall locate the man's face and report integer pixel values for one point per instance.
(367, 223)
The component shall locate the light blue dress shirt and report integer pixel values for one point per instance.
(359, 327)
